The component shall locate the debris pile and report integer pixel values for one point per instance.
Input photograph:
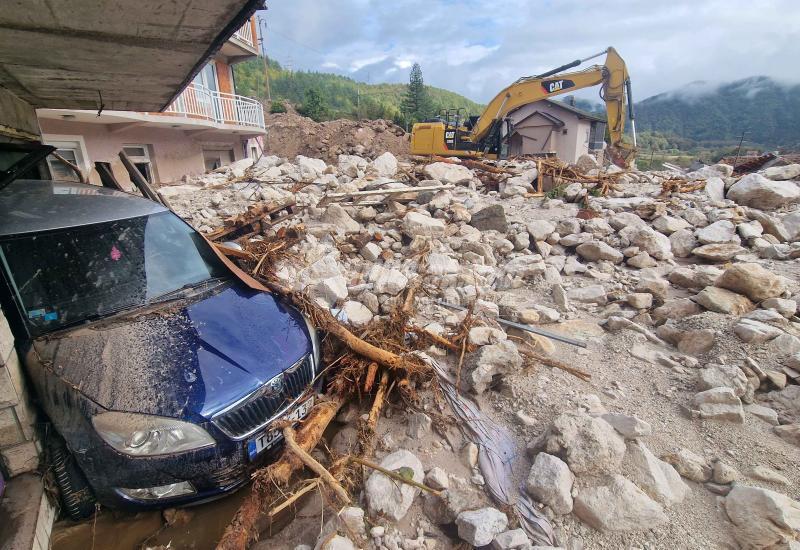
(683, 287)
(289, 135)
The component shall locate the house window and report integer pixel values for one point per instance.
(215, 158)
(71, 151)
(140, 157)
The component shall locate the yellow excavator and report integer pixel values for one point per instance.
(484, 136)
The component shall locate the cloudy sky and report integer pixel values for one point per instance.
(478, 47)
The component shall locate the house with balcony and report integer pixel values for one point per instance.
(206, 126)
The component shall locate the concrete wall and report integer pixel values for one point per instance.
(17, 118)
(19, 446)
(568, 146)
(173, 152)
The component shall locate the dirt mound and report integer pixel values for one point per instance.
(290, 135)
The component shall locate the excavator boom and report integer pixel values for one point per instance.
(486, 134)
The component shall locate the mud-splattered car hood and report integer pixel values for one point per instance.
(184, 360)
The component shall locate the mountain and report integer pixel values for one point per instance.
(716, 115)
(343, 97)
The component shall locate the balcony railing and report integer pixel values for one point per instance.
(245, 34)
(197, 101)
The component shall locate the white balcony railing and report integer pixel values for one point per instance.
(245, 34)
(197, 101)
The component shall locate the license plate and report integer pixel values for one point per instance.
(269, 438)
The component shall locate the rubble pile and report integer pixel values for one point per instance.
(687, 294)
(289, 135)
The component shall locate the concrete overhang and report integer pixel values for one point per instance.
(137, 55)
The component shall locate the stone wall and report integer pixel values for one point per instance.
(19, 446)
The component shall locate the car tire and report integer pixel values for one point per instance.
(77, 497)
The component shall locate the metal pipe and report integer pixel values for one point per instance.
(595, 55)
(630, 109)
(559, 69)
(527, 328)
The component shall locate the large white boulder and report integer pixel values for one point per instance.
(448, 173)
(762, 518)
(385, 496)
(752, 280)
(385, 165)
(550, 482)
(618, 506)
(757, 191)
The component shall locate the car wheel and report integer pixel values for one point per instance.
(77, 497)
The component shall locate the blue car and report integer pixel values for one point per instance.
(160, 370)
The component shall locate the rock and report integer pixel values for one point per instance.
(356, 313)
(490, 218)
(418, 224)
(689, 465)
(387, 281)
(385, 165)
(669, 225)
(588, 445)
(487, 362)
(654, 243)
(718, 252)
(628, 427)
(722, 376)
(338, 542)
(724, 474)
(594, 294)
(786, 402)
(764, 413)
(655, 477)
(539, 230)
(676, 309)
(719, 404)
(789, 433)
(782, 173)
(768, 474)
(439, 264)
(331, 290)
(619, 506)
(448, 173)
(515, 539)
(720, 232)
(720, 300)
(350, 165)
(336, 216)
(787, 308)
(588, 162)
(371, 252)
(753, 281)
(640, 300)
(715, 189)
(755, 332)
(310, 169)
(697, 342)
(351, 519)
(750, 230)
(762, 518)
(758, 192)
(479, 527)
(597, 227)
(386, 497)
(642, 260)
(683, 242)
(525, 266)
(550, 482)
(598, 250)
(626, 219)
(482, 336)
(437, 478)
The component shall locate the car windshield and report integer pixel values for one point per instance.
(67, 276)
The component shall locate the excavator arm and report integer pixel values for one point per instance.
(613, 76)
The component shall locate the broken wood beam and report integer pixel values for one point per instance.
(393, 191)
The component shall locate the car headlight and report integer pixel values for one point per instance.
(145, 435)
(315, 343)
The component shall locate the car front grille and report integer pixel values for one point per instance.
(270, 400)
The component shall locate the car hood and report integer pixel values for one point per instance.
(181, 360)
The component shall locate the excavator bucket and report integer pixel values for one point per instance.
(622, 155)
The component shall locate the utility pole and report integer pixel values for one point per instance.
(739, 150)
(262, 27)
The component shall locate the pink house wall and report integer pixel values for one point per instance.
(173, 154)
(567, 146)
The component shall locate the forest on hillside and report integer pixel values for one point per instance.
(342, 97)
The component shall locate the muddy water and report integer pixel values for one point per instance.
(196, 528)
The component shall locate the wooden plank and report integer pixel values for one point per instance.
(139, 180)
(107, 176)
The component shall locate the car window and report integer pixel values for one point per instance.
(67, 276)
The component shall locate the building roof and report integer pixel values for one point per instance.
(31, 206)
(134, 55)
(579, 112)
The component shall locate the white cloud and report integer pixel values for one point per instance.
(478, 48)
